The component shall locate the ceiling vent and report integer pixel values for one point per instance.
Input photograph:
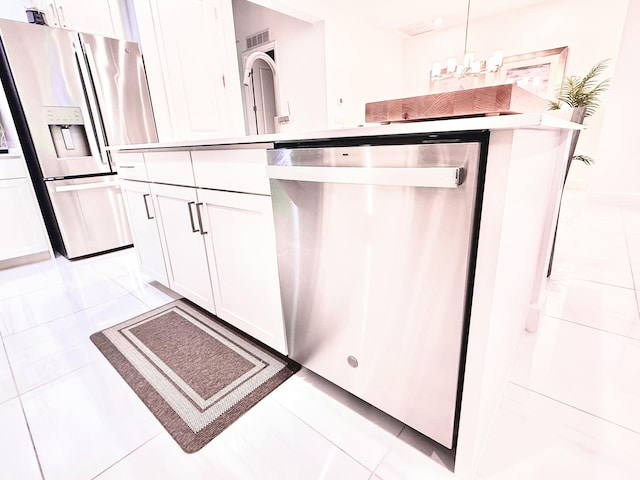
(417, 28)
(257, 39)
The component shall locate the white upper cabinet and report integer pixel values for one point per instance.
(189, 49)
(102, 17)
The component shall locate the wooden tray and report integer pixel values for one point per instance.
(494, 100)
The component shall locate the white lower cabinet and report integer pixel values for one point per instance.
(180, 218)
(23, 232)
(144, 228)
(214, 247)
(240, 243)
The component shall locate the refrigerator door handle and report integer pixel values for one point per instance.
(86, 186)
(94, 110)
(102, 140)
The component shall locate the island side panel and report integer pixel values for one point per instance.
(519, 210)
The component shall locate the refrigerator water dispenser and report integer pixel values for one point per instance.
(68, 132)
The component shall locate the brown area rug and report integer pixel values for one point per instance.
(193, 372)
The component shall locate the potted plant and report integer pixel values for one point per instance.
(583, 95)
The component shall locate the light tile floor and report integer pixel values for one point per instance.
(570, 410)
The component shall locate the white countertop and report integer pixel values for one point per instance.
(501, 122)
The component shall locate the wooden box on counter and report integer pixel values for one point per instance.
(494, 100)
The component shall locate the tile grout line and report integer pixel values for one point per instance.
(128, 454)
(32, 389)
(525, 387)
(633, 279)
(589, 280)
(73, 314)
(373, 473)
(573, 322)
(138, 291)
(24, 414)
(325, 437)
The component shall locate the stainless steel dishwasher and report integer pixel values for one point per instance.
(375, 248)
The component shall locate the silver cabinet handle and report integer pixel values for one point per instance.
(193, 224)
(435, 177)
(198, 205)
(146, 206)
(53, 16)
(63, 21)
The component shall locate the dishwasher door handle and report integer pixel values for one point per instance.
(433, 177)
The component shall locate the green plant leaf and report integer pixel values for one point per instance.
(583, 158)
(554, 105)
(583, 91)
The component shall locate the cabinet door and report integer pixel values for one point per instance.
(181, 237)
(50, 10)
(172, 167)
(144, 227)
(202, 85)
(87, 16)
(241, 247)
(23, 232)
(130, 165)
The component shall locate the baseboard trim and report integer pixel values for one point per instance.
(24, 260)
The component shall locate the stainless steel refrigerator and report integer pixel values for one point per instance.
(71, 95)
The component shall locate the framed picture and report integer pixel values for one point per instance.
(539, 72)
(445, 83)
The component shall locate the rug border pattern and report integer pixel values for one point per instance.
(191, 440)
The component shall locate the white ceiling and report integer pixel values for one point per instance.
(398, 14)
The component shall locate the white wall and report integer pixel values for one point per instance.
(592, 30)
(364, 64)
(617, 170)
(300, 56)
(14, 9)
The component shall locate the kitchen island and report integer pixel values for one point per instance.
(202, 221)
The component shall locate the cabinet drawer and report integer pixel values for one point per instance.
(12, 166)
(169, 167)
(130, 166)
(236, 170)
(23, 232)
